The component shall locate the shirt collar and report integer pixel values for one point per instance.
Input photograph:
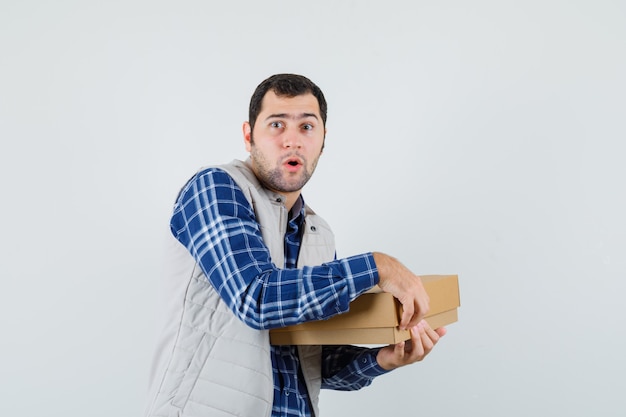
(297, 209)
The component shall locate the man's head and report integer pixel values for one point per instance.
(285, 85)
(285, 134)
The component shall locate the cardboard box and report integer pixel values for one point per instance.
(374, 318)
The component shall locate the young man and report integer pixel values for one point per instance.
(249, 255)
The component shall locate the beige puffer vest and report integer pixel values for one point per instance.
(208, 362)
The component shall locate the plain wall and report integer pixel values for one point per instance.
(484, 139)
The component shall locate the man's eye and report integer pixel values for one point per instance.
(307, 126)
(276, 125)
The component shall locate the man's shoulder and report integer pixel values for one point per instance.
(222, 174)
(209, 176)
(236, 170)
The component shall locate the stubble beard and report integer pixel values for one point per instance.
(271, 176)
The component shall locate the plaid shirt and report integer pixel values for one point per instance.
(216, 223)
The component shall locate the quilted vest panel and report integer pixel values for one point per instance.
(209, 363)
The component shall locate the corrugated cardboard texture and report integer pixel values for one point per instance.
(374, 317)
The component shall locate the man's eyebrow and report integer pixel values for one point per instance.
(291, 116)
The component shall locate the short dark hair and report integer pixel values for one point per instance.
(289, 85)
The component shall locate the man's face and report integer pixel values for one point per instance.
(287, 141)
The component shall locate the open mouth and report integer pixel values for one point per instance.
(293, 162)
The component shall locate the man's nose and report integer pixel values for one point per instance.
(292, 139)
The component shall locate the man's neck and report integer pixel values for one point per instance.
(291, 199)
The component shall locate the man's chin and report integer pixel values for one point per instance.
(292, 186)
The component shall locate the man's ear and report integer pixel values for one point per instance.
(247, 135)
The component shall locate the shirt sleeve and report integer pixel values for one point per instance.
(349, 368)
(215, 222)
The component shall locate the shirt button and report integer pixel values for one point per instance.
(313, 228)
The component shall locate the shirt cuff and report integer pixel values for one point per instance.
(368, 365)
(362, 269)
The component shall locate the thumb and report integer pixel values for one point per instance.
(398, 349)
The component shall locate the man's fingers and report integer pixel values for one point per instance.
(407, 315)
(432, 334)
(412, 314)
(398, 351)
(422, 342)
(427, 339)
(413, 321)
(404, 321)
(417, 333)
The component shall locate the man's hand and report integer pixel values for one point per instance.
(404, 285)
(422, 341)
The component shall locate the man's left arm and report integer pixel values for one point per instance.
(349, 368)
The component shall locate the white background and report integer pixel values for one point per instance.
(483, 138)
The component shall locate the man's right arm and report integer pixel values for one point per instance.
(215, 222)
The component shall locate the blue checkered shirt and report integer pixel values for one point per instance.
(217, 224)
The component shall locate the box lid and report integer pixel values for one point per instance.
(374, 317)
